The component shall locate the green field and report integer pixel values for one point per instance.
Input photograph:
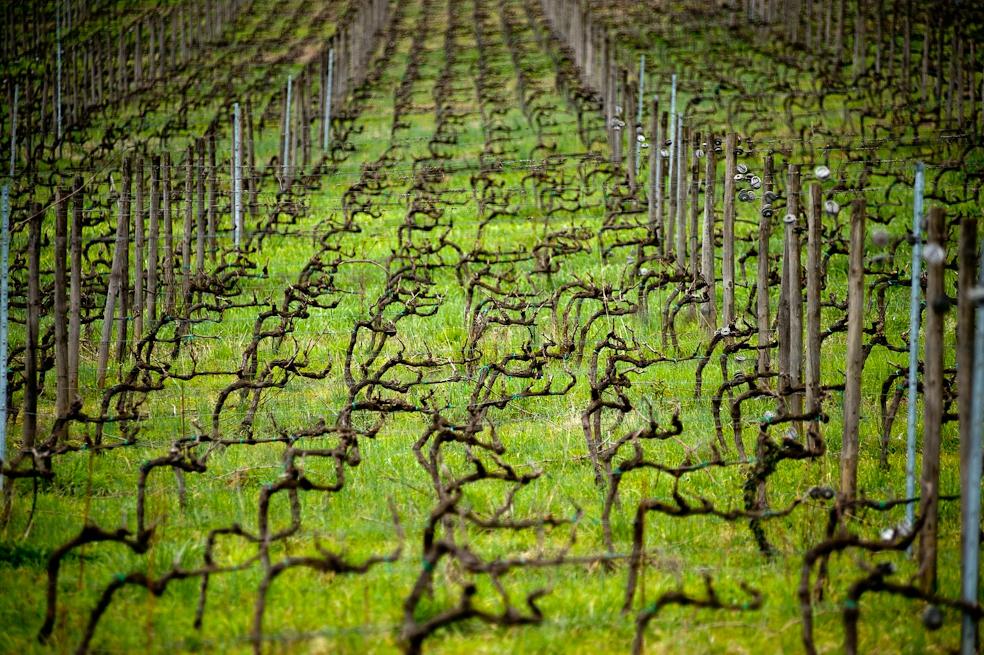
(422, 329)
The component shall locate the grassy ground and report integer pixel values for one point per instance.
(312, 612)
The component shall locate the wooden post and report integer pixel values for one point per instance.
(124, 274)
(661, 166)
(852, 380)
(169, 291)
(138, 54)
(212, 192)
(326, 94)
(794, 290)
(839, 32)
(115, 282)
(924, 70)
(694, 206)
(62, 397)
(58, 73)
(629, 129)
(30, 422)
(156, 168)
(938, 86)
(932, 396)
(953, 74)
(304, 122)
(187, 228)
(138, 253)
(906, 48)
(75, 292)
(673, 138)
(672, 209)
(860, 42)
(728, 265)
(762, 280)
(814, 239)
(967, 279)
(250, 161)
(200, 208)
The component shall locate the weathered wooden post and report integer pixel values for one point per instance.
(124, 288)
(655, 168)
(213, 190)
(75, 291)
(58, 57)
(814, 260)
(156, 168)
(187, 228)
(201, 234)
(327, 101)
(30, 422)
(138, 255)
(728, 231)
(692, 249)
(630, 132)
(794, 290)
(762, 278)
(115, 276)
(168, 218)
(251, 180)
(852, 380)
(62, 398)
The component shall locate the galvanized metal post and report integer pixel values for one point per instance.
(286, 161)
(914, 311)
(672, 124)
(329, 85)
(4, 274)
(972, 509)
(237, 176)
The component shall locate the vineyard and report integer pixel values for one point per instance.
(459, 326)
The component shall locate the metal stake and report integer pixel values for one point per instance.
(287, 129)
(237, 177)
(972, 511)
(914, 311)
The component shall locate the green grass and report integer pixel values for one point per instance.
(312, 612)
